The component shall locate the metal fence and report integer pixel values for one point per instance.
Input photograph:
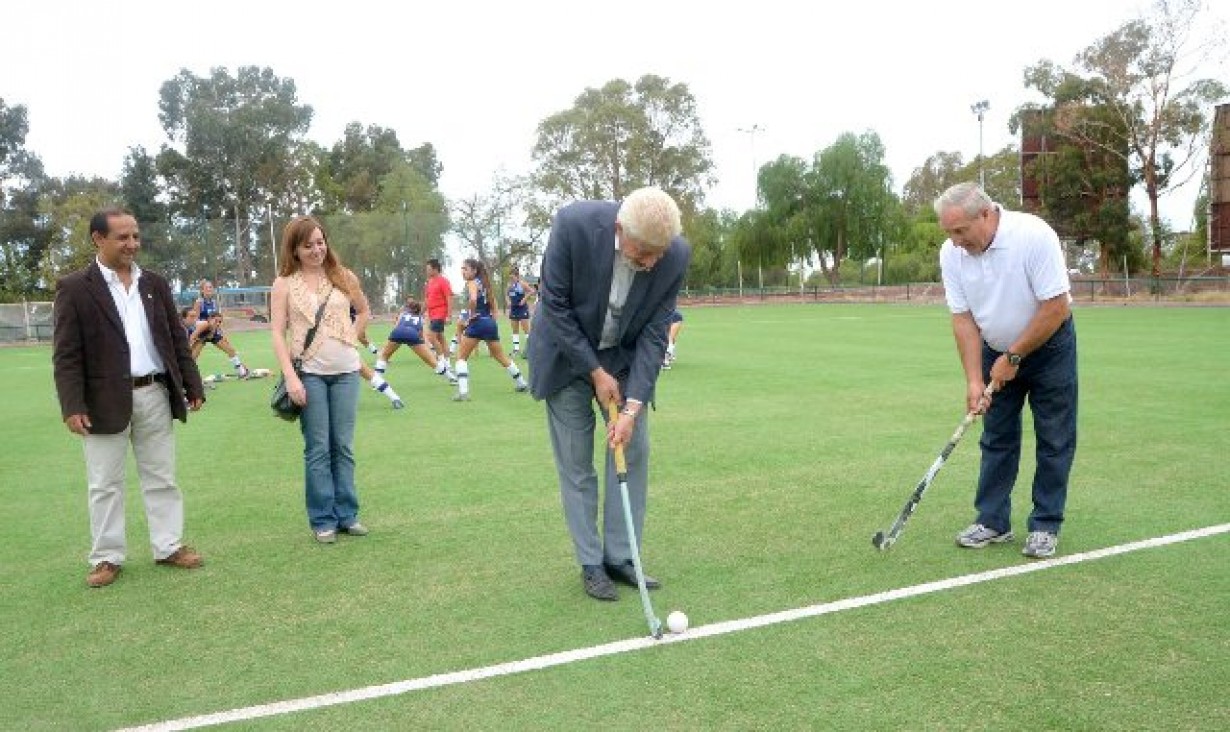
(24, 322)
(1194, 290)
(31, 322)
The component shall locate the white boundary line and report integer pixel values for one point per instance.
(705, 631)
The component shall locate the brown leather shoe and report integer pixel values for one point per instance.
(184, 558)
(103, 574)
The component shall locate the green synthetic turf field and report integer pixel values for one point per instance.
(785, 437)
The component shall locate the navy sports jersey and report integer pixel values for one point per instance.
(518, 308)
(482, 304)
(208, 309)
(676, 317)
(408, 330)
(482, 326)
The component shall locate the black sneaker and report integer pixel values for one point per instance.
(597, 584)
(626, 573)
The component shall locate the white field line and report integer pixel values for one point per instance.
(705, 631)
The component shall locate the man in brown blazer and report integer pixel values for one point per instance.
(123, 372)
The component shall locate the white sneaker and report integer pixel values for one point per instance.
(1040, 544)
(976, 536)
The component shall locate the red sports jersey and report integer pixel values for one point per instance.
(438, 293)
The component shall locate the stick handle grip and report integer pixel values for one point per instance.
(621, 465)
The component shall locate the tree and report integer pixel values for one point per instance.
(937, 174)
(352, 170)
(1142, 74)
(422, 212)
(1002, 172)
(1082, 190)
(140, 188)
(232, 148)
(622, 137)
(852, 190)
(66, 208)
(22, 238)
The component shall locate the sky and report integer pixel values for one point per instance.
(474, 79)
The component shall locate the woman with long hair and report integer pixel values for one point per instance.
(313, 285)
(481, 326)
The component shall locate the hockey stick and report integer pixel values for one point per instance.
(883, 541)
(621, 473)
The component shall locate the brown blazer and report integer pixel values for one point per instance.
(91, 351)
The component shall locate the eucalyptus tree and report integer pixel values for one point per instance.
(387, 214)
(351, 171)
(65, 209)
(929, 180)
(23, 238)
(1146, 74)
(623, 136)
(1001, 171)
(232, 144)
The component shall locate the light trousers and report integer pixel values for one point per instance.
(571, 423)
(152, 436)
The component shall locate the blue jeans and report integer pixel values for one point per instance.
(1047, 377)
(327, 424)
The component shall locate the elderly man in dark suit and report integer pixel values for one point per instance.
(123, 370)
(610, 276)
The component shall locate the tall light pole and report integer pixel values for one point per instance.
(980, 110)
(751, 133)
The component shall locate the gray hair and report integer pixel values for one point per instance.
(651, 217)
(968, 197)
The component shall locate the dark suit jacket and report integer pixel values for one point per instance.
(91, 351)
(574, 296)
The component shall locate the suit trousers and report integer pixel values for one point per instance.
(571, 422)
(152, 435)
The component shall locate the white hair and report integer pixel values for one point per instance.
(651, 217)
(968, 197)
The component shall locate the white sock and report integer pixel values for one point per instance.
(516, 342)
(515, 373)
(463, 377)
(236, 362)
(381, 366)
(372, 347)
(670, 350)
(379, 384)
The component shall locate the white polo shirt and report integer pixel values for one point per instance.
(1004, 286)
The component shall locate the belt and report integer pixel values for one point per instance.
(142, 381)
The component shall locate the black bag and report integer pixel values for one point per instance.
(281, 403)
(283, 406)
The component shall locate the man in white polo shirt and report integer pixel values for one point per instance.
(1006, 283)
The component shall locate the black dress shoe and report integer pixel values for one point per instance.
(626, 573)
(597, 584)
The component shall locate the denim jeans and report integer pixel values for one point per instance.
(1047, 378)
(327, 424)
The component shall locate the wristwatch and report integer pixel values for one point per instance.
(1014, 359)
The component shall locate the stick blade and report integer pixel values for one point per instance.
(880, 541)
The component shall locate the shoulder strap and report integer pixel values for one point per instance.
(320, 311)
